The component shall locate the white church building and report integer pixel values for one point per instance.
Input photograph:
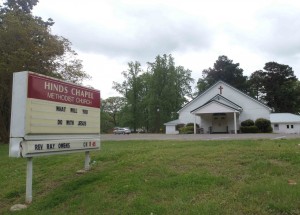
(222, 108)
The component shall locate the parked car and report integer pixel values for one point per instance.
(122, 131)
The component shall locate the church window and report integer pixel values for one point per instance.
(276, 127)
(288, 126)
(292, 126)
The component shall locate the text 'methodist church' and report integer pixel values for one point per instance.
(222, 108)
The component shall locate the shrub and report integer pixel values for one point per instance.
(269, 129)
(192, 124)
(249, 129)
(186, 130)
(248, 122)
(248, 126)
(179, 126)
(263, 125)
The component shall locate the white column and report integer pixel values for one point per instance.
(194, 123)
(28, 198)
(234, 119)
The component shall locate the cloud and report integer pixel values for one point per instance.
(138, 33)
(272, 30)
(282, 31)
(108, 34)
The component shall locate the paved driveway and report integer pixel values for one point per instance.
(196, 136)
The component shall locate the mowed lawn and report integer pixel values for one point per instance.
(161, 177)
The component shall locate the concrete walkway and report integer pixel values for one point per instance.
(117, 137)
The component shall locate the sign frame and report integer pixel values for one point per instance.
(29, 122)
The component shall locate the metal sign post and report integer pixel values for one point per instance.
(28, 198)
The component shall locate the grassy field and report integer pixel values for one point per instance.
(161, 177)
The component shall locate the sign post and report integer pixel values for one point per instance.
(87, 161)
(28, 198)
(51, 116)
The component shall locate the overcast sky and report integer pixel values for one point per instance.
(107, 34)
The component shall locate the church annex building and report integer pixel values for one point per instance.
(222, 108)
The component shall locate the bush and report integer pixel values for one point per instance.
(248, 126)
(186, 130)
(248, 122)
(263, 125)
(249, 129)
(269, 129)
(192, 124)
(179, 126)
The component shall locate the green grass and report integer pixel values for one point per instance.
(160, 177)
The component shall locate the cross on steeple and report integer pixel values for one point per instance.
(220, 88)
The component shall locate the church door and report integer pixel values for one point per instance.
(219, 123)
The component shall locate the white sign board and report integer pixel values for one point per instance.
(50, 116)
(38, 148)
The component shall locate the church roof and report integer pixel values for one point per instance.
(284, 118)
(228, 85)
(174, 122)
(232, 107)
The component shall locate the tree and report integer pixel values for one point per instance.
(224, 69)
(145, 83)
(26, 44)
(105, 124)
(169, 90)
(24, 5)
(130, 89)
(202, 85)
(113, 106)
(152, 97)
(297, 99)
(279, 87)
(256, 86)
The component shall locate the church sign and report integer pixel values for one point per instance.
(50, 116)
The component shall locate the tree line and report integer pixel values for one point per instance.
(153, 97)
(27, 44)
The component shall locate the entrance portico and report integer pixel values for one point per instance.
(217, 117)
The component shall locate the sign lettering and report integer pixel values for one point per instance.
(70, 122)
(64, 145)
(73, 110)
(50, 146)
(60, 108)
(81, 123)
(38, 147)
(54, 90)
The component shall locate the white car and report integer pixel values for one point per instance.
(122, 131)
